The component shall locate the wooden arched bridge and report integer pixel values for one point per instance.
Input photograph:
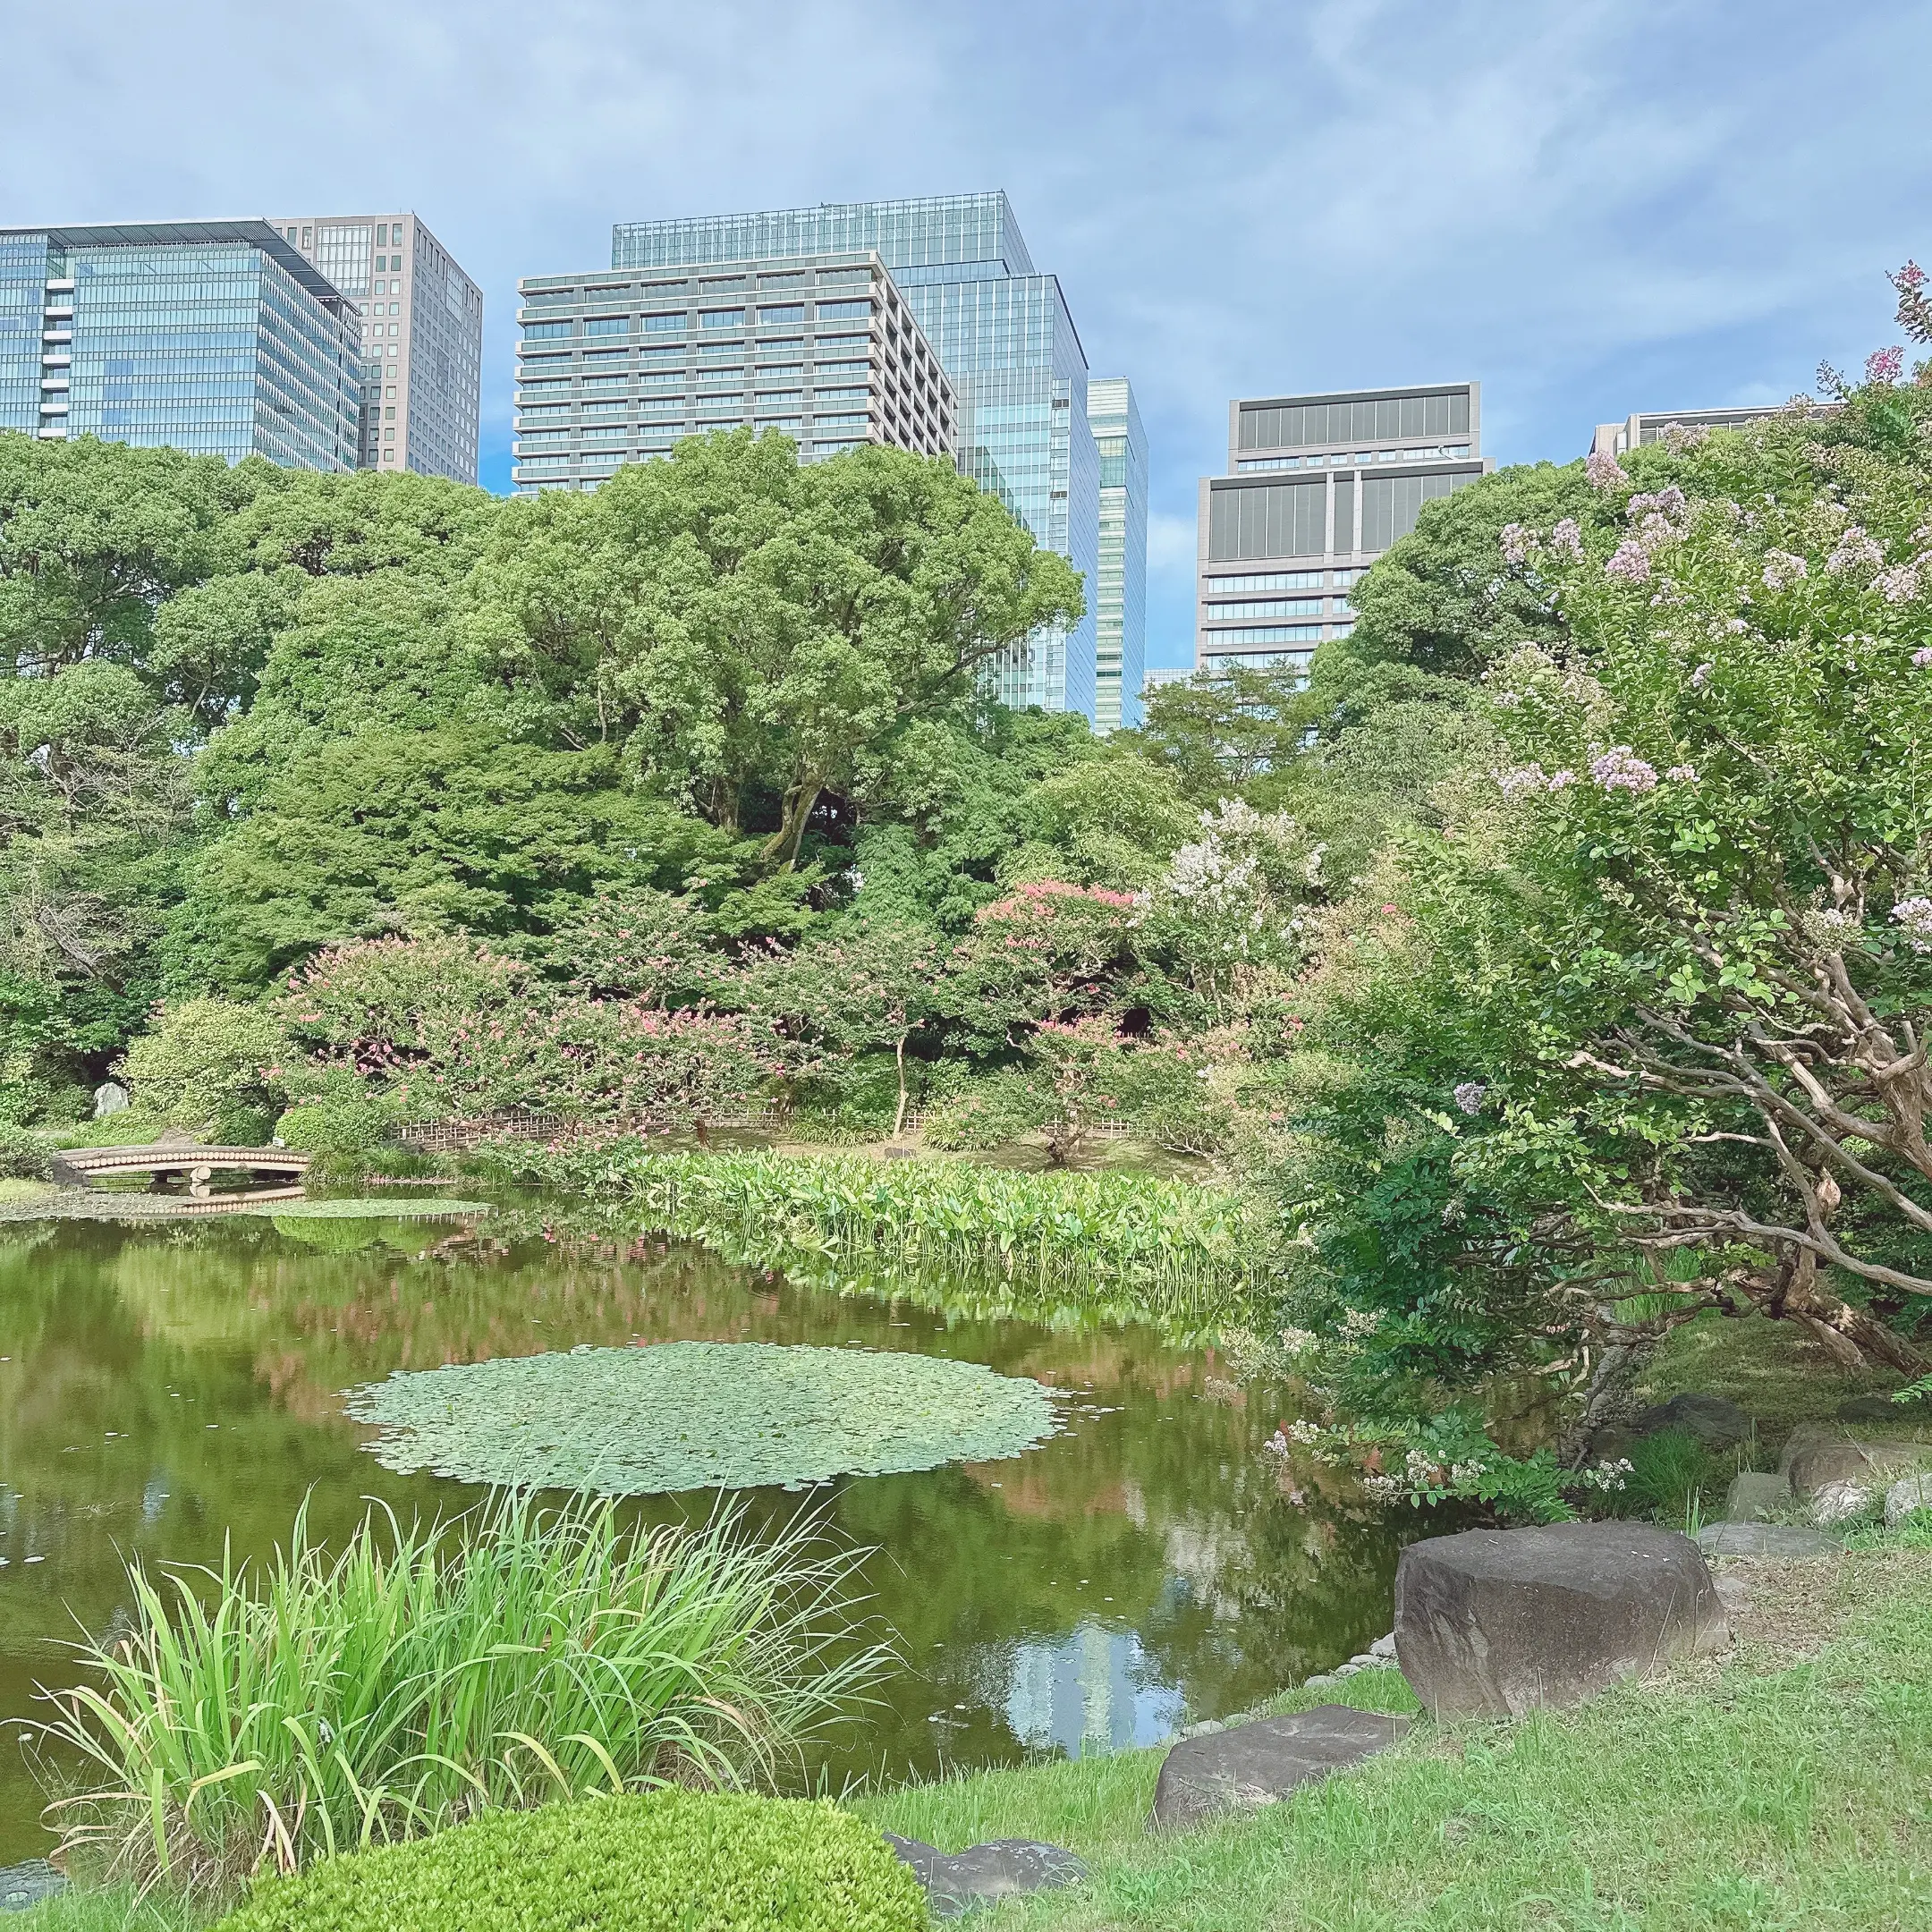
(81, 1166)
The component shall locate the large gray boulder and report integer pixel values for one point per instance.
(1821, 1455)
(1709, 1418)
(1786, 1540)
(960, 1882)
(1755, 1497)
(1495, 1623)
(1906, 1497)
(1254, 1764)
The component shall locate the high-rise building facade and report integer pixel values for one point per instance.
(216, 337)
(1279, 551)
(1119, 590)
(614, 367)
(1003, 334)
(420, 319)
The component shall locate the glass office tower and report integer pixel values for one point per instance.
(214, 337)
(1003, 334)
(1278, 552)
(421, 323)
(1120, 591)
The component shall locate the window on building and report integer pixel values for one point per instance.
(661, 324)
(608, 326)
(780, 315)
(842, 311)
(533, 331)
(1267, 519)
(1392, 504)
(721, 318)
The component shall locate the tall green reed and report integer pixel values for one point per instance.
(508, 1657)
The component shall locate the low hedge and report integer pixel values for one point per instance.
(671, 1861)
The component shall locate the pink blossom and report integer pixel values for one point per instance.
(1567, 537)
(1701, 676)
(1884, 365)
(1603, 471)
(1899, 585)
(1468, 1095)
(1630, 562)
(1854, 550)
(1922, 658)
(1681, 774)
(1620, 769)
(1782, 570)
(1516, 541)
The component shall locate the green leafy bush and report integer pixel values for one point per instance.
(675, 1861)
(986, 1113)
(212, 1065)
(23, 1154)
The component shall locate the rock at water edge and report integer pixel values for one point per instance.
(1254, 1764)
(956, 1882)
(1818, 1454)
(1495, 1623)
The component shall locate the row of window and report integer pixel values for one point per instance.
(1441, 453)
(789, 315)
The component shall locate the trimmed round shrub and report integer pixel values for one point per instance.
(670, 1861)
(23, 1154)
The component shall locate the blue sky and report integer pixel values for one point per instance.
(1590, 207)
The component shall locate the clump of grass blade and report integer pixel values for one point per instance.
(509, 1656)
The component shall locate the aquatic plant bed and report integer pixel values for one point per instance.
(699, 1415)
(1186, 1252)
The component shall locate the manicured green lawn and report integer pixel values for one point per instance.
(1749, 1795)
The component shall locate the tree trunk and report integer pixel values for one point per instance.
(899, 1116)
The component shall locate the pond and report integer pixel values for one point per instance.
(164, 1387)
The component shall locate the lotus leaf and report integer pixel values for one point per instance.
(699, 1415)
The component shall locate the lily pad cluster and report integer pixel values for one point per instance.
(699, 1415)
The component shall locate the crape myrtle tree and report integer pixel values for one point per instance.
(1641, 1031)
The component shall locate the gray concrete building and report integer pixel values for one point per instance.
(420, 322)
(1612, 439)
(616, 366)
(1119, 589)
(1316, 487)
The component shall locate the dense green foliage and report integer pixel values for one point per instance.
(670, 1863)
(699, 1415)
(1183, 1251)
(245, 1722)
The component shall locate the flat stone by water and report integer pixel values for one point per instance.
(960, 1882)
(1764, 1539)
(1495, 1623)
(29, 1884)
(1254, 1764)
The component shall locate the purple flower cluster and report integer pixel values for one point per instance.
(1922, 658)
(1603, 471)
(1630, 562)
(1854, 550)
(1566, 537)
(1681, 774)
(1669, 502)
(1701, 676)
(1620, 769)
(1915, 915)
(1884, 365)
(1782, 570)
(1516, 541)
(1899, 585)
(1469, 1095)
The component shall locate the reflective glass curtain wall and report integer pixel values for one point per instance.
(1120, 592)
(1003, 332)
(195, 337)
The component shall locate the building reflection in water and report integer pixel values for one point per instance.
(1092, 1690)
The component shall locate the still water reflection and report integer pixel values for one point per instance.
(163, 1389)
